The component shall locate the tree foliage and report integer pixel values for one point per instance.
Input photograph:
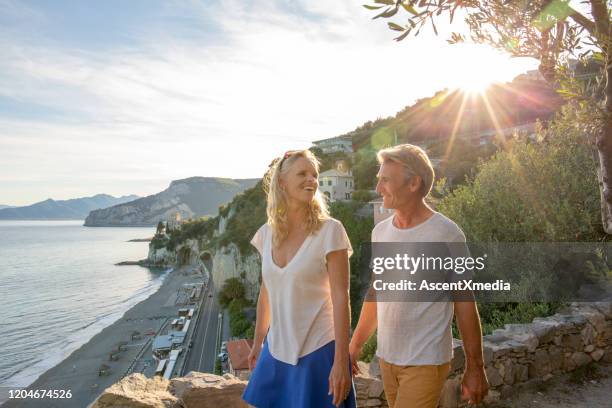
(232, 289)
(534, 191)
(551, 31)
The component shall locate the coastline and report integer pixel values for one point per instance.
(79, 371)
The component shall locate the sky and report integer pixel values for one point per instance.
(122, 97)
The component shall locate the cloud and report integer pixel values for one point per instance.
(239, 82)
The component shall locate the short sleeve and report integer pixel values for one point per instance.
(336, 238)
(258, 239)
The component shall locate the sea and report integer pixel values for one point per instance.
(59, 286)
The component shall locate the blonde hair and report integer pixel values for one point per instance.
(415, 162)
(317, 211)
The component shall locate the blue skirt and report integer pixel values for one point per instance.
(274, 384)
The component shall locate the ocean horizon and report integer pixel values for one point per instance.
(60, 287)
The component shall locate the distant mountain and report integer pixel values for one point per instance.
(2, 206)
(74, 209)
(191, 197)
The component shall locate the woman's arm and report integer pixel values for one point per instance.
(262, 323)
(338, 270)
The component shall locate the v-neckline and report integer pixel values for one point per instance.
(302, 245)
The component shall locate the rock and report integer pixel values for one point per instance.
(506, 391)
(492, 397)
(604, 307)
(597, 354)
(362, 386)
(568, 363)
(458, 361)
(573, 341)
(487, 355)
(495, 379)
(374, 370)
(580, 358)
(556, 358)
(364, 368)
(509, 372)
(595, 317)
(523, 335)
(544, 329)
(376, 389)
(521, 373)
(589, 348)
(540, 365)
(451, 392)
(137, 390)
(201, 389)
(588, 334)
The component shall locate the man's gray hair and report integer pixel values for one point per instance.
(414, 160)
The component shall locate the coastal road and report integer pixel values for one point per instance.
(202, 355)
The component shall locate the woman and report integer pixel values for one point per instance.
(303, 306)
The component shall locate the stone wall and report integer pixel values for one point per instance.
(521, 354)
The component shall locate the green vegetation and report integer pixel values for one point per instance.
(359, 231)
(534, 192)
(233, 289)
(232, 297)
(249, 214)
(202, 228)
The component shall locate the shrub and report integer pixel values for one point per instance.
(533, 191)
(232, 290)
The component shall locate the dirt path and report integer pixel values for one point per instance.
(589, 387)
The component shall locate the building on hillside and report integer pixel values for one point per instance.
(238, 353)
(335, 144)
(337, 184)
(174, 223)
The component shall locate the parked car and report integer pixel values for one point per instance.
(223, 356)
(224, 346)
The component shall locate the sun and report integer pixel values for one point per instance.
(475, 67)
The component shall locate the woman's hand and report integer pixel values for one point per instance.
(339, 381)
(253, 356)
(354, 353)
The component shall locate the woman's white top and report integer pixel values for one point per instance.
(301, 312)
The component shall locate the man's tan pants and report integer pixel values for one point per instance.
(413, 386)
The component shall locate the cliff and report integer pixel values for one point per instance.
(221, 261)
(192, 198)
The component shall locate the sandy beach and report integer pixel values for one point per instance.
(79, 371)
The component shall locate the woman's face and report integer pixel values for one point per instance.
(301, 181)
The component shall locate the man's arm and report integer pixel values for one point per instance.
(474, 386)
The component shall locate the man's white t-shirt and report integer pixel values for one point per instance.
(301, 312)
(416, 333)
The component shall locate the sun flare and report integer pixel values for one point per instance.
(476, 67)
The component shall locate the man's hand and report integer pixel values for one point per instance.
(475, 385)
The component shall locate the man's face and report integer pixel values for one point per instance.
(395, 188)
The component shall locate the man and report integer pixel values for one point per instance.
(415, 338)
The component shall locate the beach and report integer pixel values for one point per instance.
(79, 372)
